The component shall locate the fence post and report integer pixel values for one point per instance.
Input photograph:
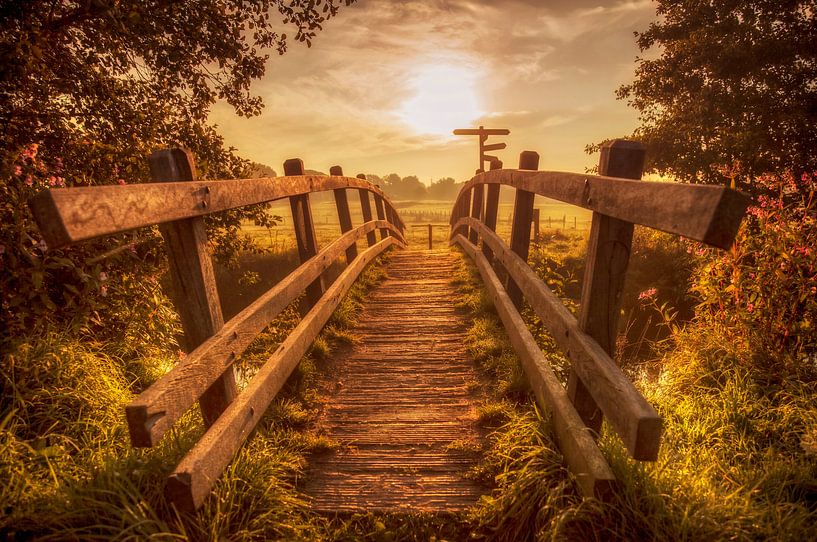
(366, 210)
(522, 217)
(195, 294)
(381, 215)
(608, 253)
(491, 209)
(536, 214)
(344, 216)
(465, 204)
(305, 236)
(430, 236)
(476, 210)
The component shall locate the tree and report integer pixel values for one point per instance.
(444, 189)
(89, 88)
(734, 86)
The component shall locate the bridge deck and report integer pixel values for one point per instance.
(401, 396)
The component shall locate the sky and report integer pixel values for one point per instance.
(386, 82)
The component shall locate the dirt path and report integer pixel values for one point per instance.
(403, 395)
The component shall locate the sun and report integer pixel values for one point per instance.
(445, 98)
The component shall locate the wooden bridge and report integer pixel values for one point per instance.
(402, 395)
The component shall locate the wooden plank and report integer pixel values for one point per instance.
(69, 215)
(481, 131)
(710, 214)
(494, 147)
(344, 216)
(522, 217)
(305, 237)
(192, 479)
(629, 414)
(366, 210)
(381, 215)
(476, 211)
(593, 475)
(155, 410)
(608, 253)
(194, 292)
(491, 212)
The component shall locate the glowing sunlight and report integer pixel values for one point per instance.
(445, 98)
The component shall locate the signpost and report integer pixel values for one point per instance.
(483, 134)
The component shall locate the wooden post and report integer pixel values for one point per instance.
(536, 224)
(430, 236)
(344, 216)
(465, 204)
(608, 253)
(366, 210)
(195, 294)
(476, 210)
(381, 215)
(491, 209)
(305, 236)
(522, 217)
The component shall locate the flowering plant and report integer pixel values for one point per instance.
(764, 290)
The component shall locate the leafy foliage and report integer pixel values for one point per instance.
(763, 292)
(88, 90)
(733, 82)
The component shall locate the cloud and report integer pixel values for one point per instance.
(537, 67)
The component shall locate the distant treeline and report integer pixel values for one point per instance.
(397, 187)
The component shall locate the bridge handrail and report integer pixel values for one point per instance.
(597, 387)
(706, 213)
(71, 215)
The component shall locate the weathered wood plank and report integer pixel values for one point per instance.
(305, 237)
(593, 474)
(629, 414)
(366, 211)
(481, 131)
(69, 215)
(491, 209)
(608, 253)
(476, 210)
(192, 479)
(155, 410)
(194, 284)
(404, 399)
(522, 217)
(344, 216)
(710, 214)
(381, 214)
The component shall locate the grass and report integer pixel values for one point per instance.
(738, 459)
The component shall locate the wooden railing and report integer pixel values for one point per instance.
(596, 387)
(178, 202)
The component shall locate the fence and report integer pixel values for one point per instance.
(597, 388)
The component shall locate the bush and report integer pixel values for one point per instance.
(763, 292)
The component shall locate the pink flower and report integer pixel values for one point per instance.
(750, 307)
(103, 290)
(18, 170)
(648, 293)
(52, 181)
(30, 152)
(103, 276)
(121, 181)
(29, 180)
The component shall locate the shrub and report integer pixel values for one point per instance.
(763, 292)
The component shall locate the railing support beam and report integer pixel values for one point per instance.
(344, 216)
(608, 254)
(194, 284)
(522, 218)
(305, 237)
